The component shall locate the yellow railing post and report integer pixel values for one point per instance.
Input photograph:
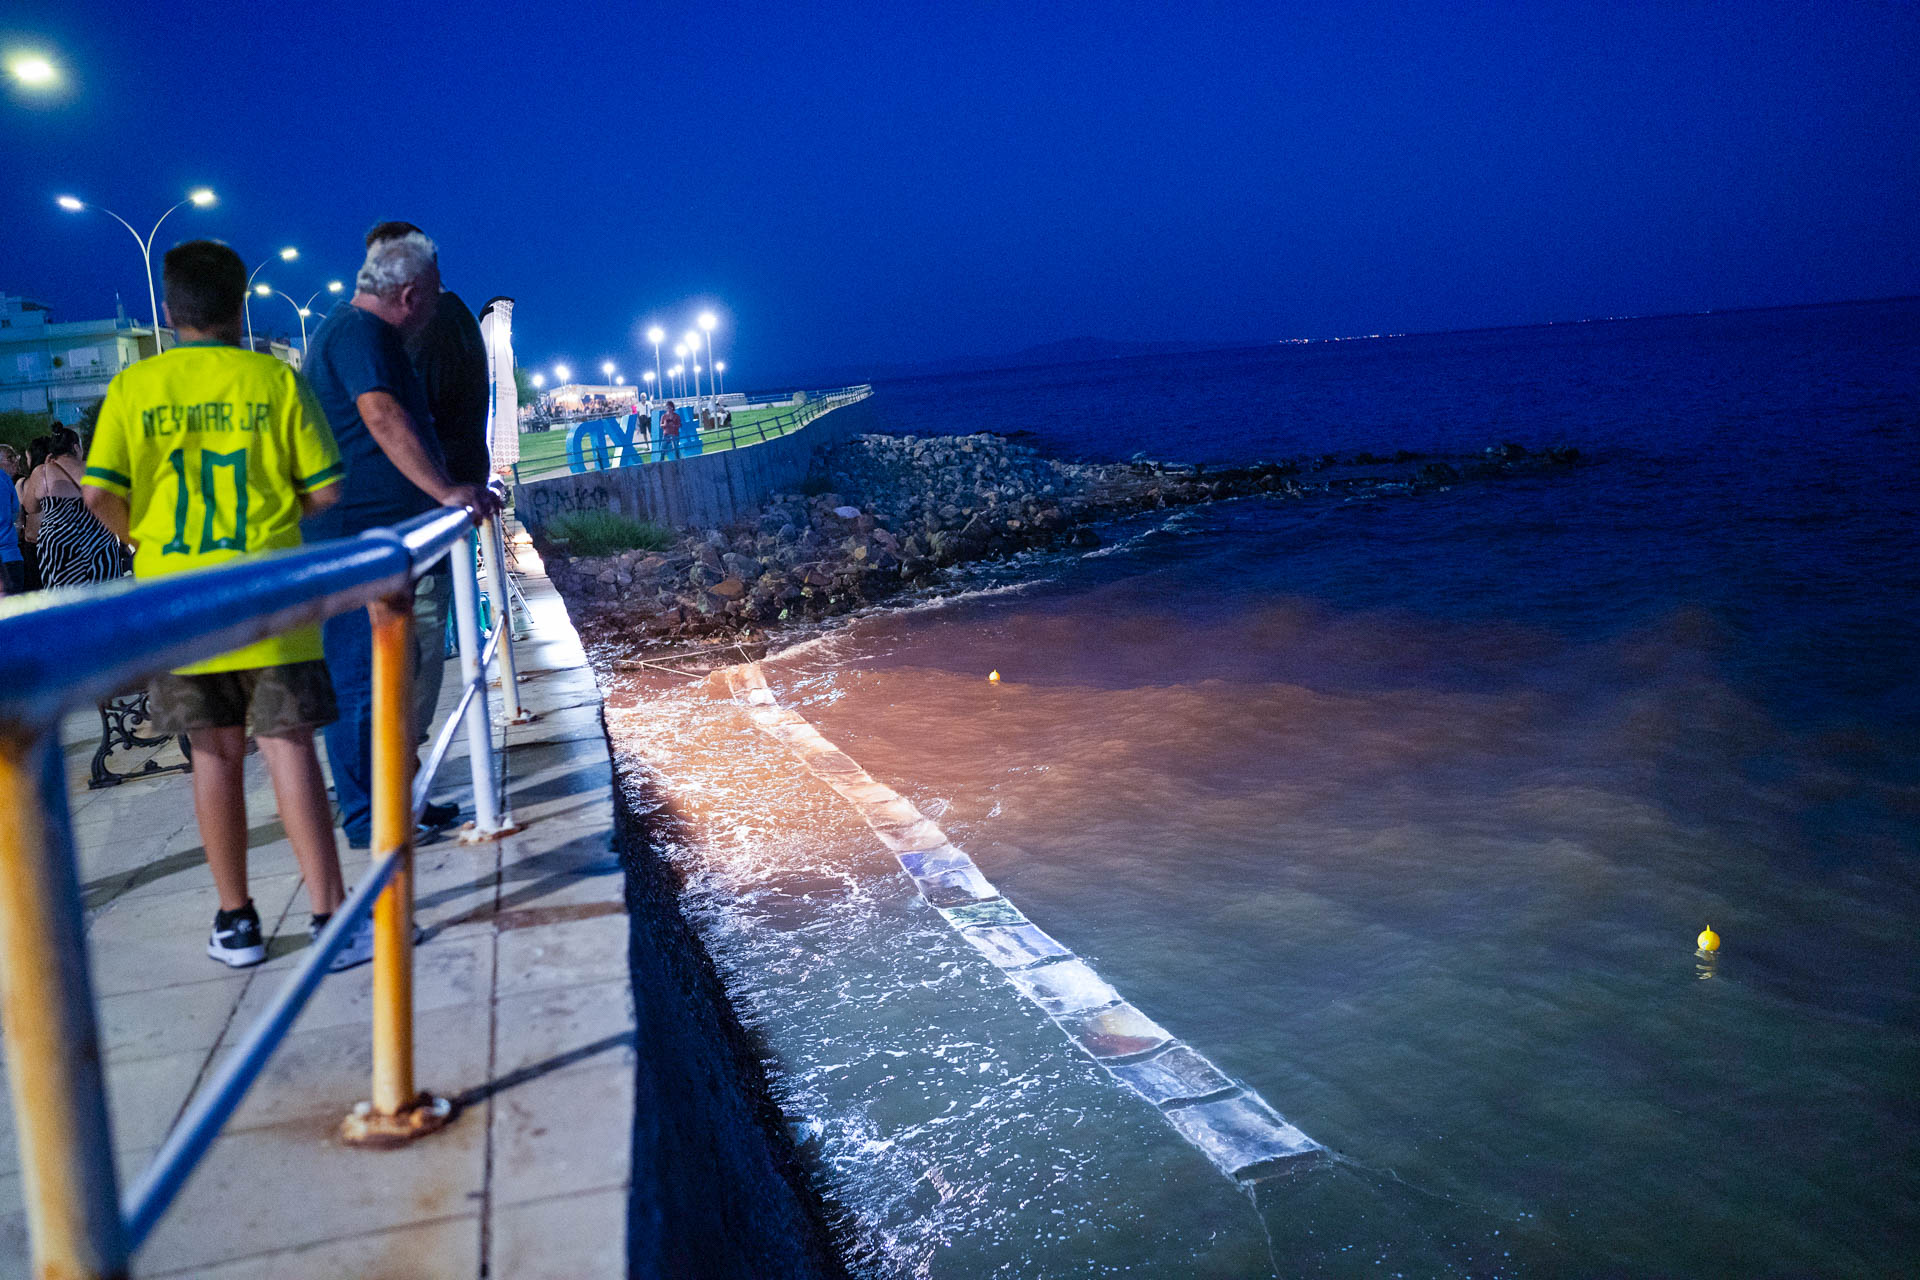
(398, 1111)
(54, 1061)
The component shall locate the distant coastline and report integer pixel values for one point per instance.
(1090, 350)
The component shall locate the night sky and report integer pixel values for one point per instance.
(865, 184)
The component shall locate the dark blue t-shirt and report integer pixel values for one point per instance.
(356, 352)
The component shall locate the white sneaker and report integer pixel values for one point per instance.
(357, 951)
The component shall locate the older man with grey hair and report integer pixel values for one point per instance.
(357, 365)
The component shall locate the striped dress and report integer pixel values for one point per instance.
(75, 549)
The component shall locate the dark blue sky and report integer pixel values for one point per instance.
(878, 183)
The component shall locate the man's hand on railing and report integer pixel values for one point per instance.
(484, 501)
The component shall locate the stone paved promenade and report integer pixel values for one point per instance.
(523, 1013)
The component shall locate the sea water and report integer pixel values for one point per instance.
(1403, 812)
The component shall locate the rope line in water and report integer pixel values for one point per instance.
(1229, 1123)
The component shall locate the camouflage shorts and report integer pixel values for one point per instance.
(278, 700)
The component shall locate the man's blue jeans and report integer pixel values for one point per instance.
(348, 641)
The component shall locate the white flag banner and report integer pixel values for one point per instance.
(503, 405)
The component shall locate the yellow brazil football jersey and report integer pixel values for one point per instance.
(212, 447)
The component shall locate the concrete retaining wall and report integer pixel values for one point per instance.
(692, 493)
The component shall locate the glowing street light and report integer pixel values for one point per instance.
(648, 378)
(656, 335)
(538, 380)
(287, 254)
(33, 70)
(266, 290)
(606, 370)
(199, 197)
(333, 286)
(720, 370)
(561, 373)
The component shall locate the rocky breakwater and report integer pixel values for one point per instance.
(883, 514)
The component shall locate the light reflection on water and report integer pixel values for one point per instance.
(1407, 813)
(1433, 891)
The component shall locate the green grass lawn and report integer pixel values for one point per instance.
(544, 453)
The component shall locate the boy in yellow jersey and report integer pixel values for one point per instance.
(204, 454)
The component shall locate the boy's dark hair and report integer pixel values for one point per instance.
(206, 284)
(390, 231)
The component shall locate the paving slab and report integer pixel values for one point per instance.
(524, 1015)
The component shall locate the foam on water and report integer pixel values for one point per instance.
(1236, 1132)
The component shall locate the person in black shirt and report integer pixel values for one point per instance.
(358, 368)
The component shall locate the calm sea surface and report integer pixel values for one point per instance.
(1403, 811)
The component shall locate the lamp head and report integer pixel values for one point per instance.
(707, 321)
(34, 70)
(538, 380)
(334, 286)
(692, 339)
(201, 197)
(561, 373)
(656, 335)
(69, 203)
(289, 253)
(263, 288)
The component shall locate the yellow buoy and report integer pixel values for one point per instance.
(1709, 940)
(993, 677)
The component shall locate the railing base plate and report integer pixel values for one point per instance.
(471, 834)
(366, 1127)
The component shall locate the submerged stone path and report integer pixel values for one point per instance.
(1229, 1123)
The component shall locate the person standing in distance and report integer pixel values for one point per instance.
(450, 358)
(13, 567)
(358, 367)
(206, 454)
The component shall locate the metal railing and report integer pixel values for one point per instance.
(70, 649)
(625, 450)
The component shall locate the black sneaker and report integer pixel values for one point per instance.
(439, 816)
(236, 940)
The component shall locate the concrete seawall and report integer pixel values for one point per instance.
(703, 492)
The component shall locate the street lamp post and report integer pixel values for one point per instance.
(266, 290)
(648, 378)
(656, 335)
(606, 370)
(200, 198)
(333, 286)
(692, 340)
(707, 322)
(720, 371)
(287, 254)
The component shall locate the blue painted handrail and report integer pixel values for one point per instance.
(71, 648)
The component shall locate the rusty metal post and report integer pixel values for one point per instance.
(54, 1060)
(398, 1112)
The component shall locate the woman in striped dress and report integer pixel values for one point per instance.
(75, 549)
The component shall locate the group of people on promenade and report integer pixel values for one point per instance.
(208, 452)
